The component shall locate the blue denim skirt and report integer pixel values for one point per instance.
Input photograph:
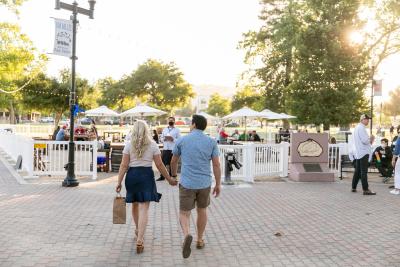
(140, 185)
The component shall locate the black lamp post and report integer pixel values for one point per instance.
(71, 180)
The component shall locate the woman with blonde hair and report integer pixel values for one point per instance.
(137, 160)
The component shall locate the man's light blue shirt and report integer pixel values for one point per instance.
(196, 151)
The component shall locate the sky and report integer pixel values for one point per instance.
(201, 37)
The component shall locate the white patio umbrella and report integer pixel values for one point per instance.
(244, 113)
(143, 111)
(101, 111)
(287, 116)
(270, 115)
(207, 116)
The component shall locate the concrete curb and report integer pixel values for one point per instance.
(12, 171)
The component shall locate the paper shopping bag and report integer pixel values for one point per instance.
(119, 210)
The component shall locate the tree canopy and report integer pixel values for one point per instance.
(218, 105)
(306, 64)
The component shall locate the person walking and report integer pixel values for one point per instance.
(363, 149)
(196, 150)
(169, 136)
(141, 189)
(396, 163)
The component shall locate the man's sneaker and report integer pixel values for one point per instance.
(369, 193)
(395, 192)
(161, 179)
(354, 190)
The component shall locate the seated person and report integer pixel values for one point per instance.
(235, 135)
(61, 134)
(244, 137)
(255, 137)
(223, 136)
(383, 157)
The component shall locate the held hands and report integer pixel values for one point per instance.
(118, 188)
(217, 190)
(172, 181)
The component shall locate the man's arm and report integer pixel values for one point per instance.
(217, 174)
(174, 165)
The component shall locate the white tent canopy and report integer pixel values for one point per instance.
(207, 116)
(287, 116)
(270, 115)
(244, 113)
(101, 111)
(142, 111)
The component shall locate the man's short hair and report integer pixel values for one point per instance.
(200, 122)
(173, 118)
(385, 140)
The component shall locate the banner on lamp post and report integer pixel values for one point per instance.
(63, 37)
(377, 87)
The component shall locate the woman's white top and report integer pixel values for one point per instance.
(147, 157)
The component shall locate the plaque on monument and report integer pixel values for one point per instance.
(312, 167)
(309, 158)
(309, 148)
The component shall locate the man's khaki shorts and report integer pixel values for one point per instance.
(189, 198)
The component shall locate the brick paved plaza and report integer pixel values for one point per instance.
(43, 224)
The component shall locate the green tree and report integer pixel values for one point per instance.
(160, 84)
(247, 96)
(18, 61)
(114, 94)
(392, 107)
(309, 67)
(51, 95)
(218, 105)
(12, 4)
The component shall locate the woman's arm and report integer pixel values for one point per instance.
(123, 168)
(161, 167)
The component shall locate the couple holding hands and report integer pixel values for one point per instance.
(196, 150)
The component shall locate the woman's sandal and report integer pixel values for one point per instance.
(139, 247)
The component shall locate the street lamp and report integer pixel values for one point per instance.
(71, 180)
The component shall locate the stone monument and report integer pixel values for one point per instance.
(309, 154)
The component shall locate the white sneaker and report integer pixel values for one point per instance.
(395, 192)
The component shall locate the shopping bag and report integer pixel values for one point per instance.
(119, 210)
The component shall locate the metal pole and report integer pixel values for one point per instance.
(71, 180)
(372, 98)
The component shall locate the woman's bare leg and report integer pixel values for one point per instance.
(143, 218)
(135, 215)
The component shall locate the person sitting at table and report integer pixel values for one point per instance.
(223, 136)
(61, 134)
(244, 137)
(235, 136)
(255, 137)
(155, 136)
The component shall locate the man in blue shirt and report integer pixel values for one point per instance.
(196, 150)
(61, 134)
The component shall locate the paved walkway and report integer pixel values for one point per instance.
(320, 225)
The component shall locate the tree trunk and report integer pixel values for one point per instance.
(12, 113)
(286, 124)
(57, 119)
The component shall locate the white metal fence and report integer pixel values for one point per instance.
(257, 160)
(49, 157)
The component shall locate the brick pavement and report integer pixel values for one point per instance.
(321, 225)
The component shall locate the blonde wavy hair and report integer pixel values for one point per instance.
(140, 138)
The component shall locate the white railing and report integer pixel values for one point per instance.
(257, 160)
(49, 157)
